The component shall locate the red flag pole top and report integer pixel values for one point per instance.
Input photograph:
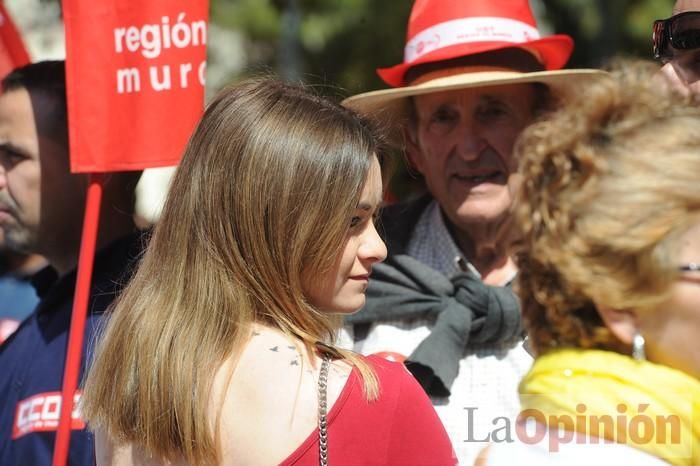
(145, 62)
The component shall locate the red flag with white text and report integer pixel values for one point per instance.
(135, 76)
(13, 54)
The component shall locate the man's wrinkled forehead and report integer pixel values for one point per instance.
(682, 6)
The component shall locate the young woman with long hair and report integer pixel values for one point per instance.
(220, 350)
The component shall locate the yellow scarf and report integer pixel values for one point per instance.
(612, 396)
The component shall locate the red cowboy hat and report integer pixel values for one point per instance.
(446, 29)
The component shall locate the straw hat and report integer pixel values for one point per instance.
(452, 40)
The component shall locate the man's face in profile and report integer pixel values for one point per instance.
(40, 199)
(19, 171)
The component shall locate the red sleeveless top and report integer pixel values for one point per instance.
(399, 428)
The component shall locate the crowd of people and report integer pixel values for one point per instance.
(537, 304)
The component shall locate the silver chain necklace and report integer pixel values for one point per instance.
(323, 410)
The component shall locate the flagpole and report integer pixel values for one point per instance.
(80, 306)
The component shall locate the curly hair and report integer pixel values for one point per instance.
(610, 181)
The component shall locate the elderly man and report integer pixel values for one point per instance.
(475, 73)
(41, 211)
(677, 44)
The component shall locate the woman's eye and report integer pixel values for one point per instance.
(355, 221)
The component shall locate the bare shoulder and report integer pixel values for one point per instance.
(271, 357)
(271, 393)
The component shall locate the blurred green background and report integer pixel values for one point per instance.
(342, 42)
(336, 45)
(339, 43)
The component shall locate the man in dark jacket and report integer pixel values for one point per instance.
(41, 211)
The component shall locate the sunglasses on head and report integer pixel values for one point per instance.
(679, 32)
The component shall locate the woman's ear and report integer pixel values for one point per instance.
(622, 323)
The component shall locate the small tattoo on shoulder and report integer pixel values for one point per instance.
(275, 349)
(294, 363)
(256, 334)
(292, 347)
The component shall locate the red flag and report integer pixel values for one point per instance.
(135, 78)
(12, 51)
(135, 89)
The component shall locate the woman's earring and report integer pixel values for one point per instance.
(638, 347)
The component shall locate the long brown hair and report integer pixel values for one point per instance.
(264, 192)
